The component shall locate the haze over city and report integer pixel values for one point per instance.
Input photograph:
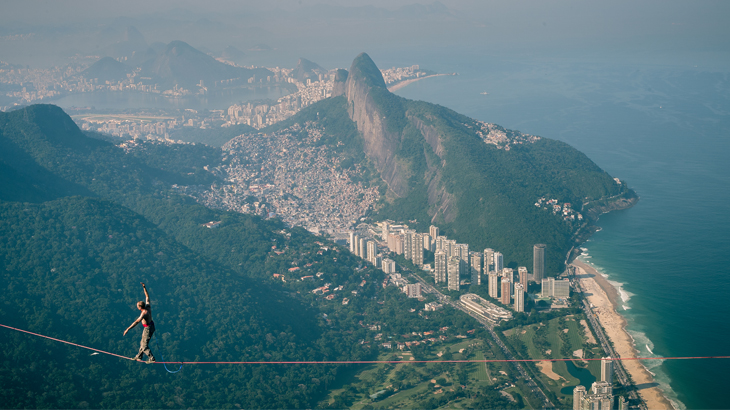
(364, 204)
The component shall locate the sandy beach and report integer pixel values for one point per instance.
(404, 83)
(604, 298)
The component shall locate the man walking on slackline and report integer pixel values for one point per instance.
(149, 327)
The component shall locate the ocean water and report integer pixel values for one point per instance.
(665, 130)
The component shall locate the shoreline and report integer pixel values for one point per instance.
(604, 299)
(399, 85)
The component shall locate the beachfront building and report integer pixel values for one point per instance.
(578, 394)
(519, 298)
(607, 370)
(558, 289)
(538, 262)
(599, 398)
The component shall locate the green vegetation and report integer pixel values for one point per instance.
(555, 338)
(72, 264)
(431, 385)
(82, 222)
(72, 267)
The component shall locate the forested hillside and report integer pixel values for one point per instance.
(83, 222)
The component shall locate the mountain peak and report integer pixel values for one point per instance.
(364, 70)
(132, 35)
(107, 69)
(178, 47)
(306, 69)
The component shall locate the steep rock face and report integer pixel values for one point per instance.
(431, 135)
(375, 111)
(385, 124)
(380, 144)
(338, 88)
(442, 204)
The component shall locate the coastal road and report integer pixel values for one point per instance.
(536, 390)
(618, 369)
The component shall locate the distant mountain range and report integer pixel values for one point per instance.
(176, 63)
(181, 64)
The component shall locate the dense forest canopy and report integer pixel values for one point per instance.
(96, 221)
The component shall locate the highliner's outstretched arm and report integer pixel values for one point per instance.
(146, 295)
(141, 316)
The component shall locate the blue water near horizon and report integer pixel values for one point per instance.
(665, 130)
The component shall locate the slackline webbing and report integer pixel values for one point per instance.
(371, 361)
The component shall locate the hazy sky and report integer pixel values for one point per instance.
(33, 30)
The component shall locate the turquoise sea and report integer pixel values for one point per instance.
(665, 130)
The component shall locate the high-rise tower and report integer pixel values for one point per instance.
(522, 271)
(408, 244)
(498, 262)
(578, 394)
(363, 248)
(476, 268)
(519, 298)
(506, 287)
(488, 260)
(372, 251)
(493, 285)
(440, 267)
(607, 370)
(433, 231)
(538, 262)
(417, 250)
(454, 272)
